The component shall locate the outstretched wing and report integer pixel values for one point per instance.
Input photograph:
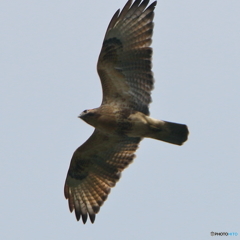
(95, 168)
(124, 64)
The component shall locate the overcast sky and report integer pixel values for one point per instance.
(48, 56)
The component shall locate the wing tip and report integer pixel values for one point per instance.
(113, 20)
(84, 216)
(92, 217)
(152, 5)
(120, 13)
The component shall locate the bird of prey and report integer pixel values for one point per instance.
(122, 120)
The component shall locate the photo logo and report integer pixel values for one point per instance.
(223, 233)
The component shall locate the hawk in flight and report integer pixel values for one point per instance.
(122, 120)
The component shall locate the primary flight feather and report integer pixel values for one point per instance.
(122, 120)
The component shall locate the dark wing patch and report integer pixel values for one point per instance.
(124, 64)
(95, 168)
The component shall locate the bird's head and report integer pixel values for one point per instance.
(88, 116)
(86, 113)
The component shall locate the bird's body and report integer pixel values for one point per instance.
(113, 121)
(122, 120)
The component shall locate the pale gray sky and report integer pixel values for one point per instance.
(49, 51)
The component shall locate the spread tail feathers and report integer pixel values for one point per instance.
(170, 132)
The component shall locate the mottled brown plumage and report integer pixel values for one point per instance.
(124, 67)
(126, 57)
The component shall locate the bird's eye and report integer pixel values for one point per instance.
(85, 111)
